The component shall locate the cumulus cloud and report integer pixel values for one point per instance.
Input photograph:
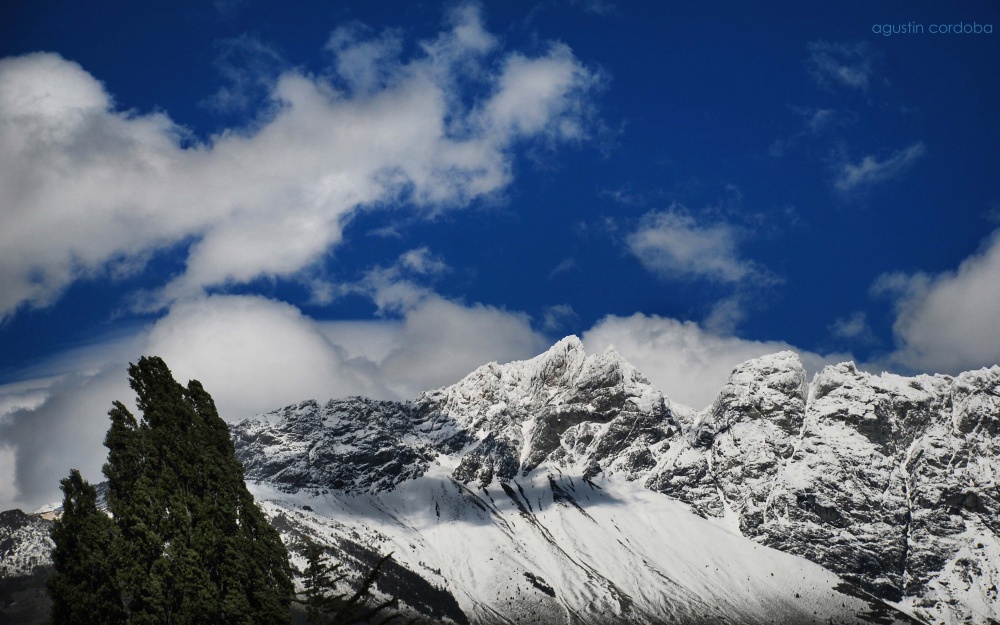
(255, 353)
(688, 363)
(871, 170)
(441, 341)
(88, 186)
(672, 244)
(948, 322)
(848, 65)
(44, 440)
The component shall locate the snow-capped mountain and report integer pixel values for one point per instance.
(886, 481)
(566, 489)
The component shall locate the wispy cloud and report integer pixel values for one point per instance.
(424, 262)
(558, 317)
(596, 7)
(250, 68)
(624, 195)
(566, 264)
(853, 327)
(672, 244)
(816, 122)
(849, 65)
(871, 170)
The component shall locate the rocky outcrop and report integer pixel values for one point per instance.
(888, 481)
(25, 564)
(25, 544)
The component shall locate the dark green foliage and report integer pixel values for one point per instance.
(82, 587)
(190, 545)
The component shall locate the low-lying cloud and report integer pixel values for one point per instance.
(255, 354)
(686, 361)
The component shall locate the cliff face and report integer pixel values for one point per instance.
(891, 482)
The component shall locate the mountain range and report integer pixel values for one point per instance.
(567, 489)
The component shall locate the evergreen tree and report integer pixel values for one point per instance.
(82, 587)
(190, 547)
(319, 582)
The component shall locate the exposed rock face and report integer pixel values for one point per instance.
(888, 481)
(25, 564)
(352, 444)
(25, 544)
(562, 405)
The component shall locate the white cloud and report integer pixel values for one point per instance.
(88, 186)
(725, 315)
(557, 317)
(8, 466)
(253, 354)
(442, 341)
(49, 438)
(423, 261)
(688, 363)
(819, 119)
(870, 170)
(530, 93)
(671, 244)
(854, 326)
(565, 265)
(848, 65)
(364, 62)
(948, 322)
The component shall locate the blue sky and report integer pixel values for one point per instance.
(324, 199)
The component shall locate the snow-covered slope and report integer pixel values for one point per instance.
(551, 547)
